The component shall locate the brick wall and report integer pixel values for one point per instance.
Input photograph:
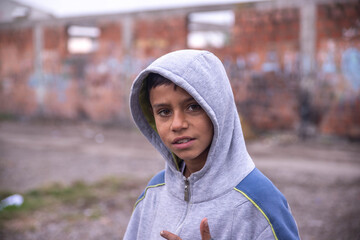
(264, 66)
(16, 67)
(101, 90)
(155, 37)
(257, 30)
(338, 75)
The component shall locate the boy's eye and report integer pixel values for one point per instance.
(163, 112)
(194, 107)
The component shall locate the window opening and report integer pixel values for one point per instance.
(82, 39)
(210, 29)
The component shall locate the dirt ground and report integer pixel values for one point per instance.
(319, 177)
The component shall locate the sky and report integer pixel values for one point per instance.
(68, 8)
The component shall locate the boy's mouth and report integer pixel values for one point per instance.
(182, 140)
(183, 143)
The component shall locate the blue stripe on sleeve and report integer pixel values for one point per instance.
(157, 180)
(271, 202)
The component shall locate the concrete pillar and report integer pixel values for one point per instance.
(38, 69)
(128, 25)
(307, 40)
(128, 64)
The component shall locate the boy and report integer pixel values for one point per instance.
(210, 188)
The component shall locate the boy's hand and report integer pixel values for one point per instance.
(204, 231)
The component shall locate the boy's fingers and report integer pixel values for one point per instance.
(204, 230)
(169, 236)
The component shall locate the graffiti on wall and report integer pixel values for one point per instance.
(339, 63)
(350, 66)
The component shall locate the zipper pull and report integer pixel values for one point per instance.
(187, 191)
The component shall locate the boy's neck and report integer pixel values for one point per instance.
(187, 172)
(192, 167)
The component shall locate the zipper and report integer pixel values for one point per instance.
(186, 199)
(187, 191)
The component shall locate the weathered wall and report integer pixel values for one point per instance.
(159, 35)
(265, 61)
(16, 68)
(265, 70)
(337, 82)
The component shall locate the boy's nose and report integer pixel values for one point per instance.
(179, 122)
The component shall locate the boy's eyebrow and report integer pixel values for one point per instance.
(160, 105)
(189, 99)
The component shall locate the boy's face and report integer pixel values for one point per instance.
(182, 124)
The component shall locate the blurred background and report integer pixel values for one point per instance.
(67, 141)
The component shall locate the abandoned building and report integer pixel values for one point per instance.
(290, 62)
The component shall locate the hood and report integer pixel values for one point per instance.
(203, 76)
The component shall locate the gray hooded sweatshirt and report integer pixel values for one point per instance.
(236, 198)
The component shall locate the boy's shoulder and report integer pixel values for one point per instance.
(159, 178)
(157, 181)
(259, 188)
(263, 194)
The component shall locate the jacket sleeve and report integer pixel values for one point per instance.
(268, 201)
(267, 234)
(250, 223)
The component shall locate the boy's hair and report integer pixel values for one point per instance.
(153, 80)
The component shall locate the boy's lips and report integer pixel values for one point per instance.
(182, 142)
